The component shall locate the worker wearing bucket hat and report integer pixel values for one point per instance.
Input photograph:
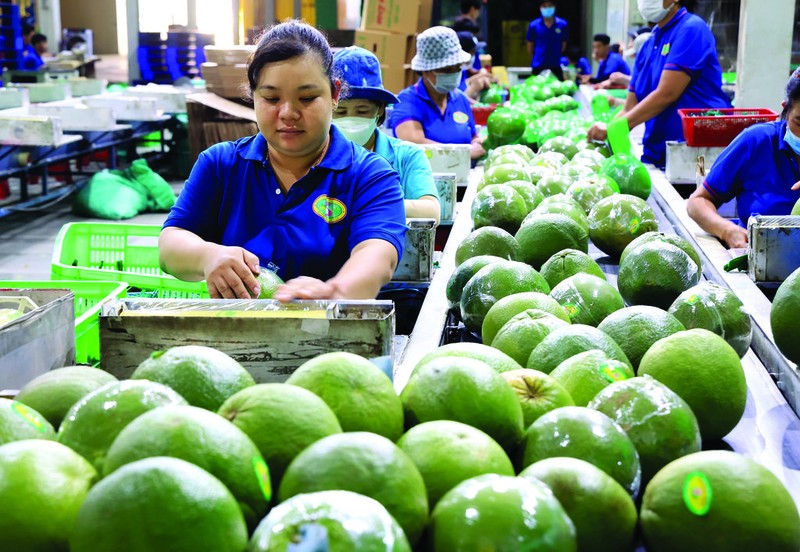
(434, 110)
(361, 109)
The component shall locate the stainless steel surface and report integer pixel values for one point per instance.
(774, 248)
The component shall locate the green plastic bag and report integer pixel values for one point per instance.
(110, 195)
(161, 196)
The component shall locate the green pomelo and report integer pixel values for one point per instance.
(705, 372)
(587, 299)
(564, 343)
(578, 432)
(281, 420)
(589, 154)
(674, 239)
(367, 464)
(589, 495)
(462, 274)
(783, 317)
(505, 158)
(505, 126)
(586, 374)
(492, 283)
(636, 329)
(630, 173)
(497, 360)
(529, 192)
(53, 393)
(560, 144)
(551, 159)
(467, 391)
(796, 209)
(358, 392)
(42, 487)
(617, 220)
(205, 377)
(656, 274)
(543, 235)
(19, 421)
(350, 521)
(523, 332)
(495, 512)
(537, 392)
(660, 423)
(718, 500)
(206, 440)
(515, 149)
(508, 307)
(447, 453)
(269, 282)
(576, 171)
(92, 424)
(500, 206)
(717, 309)
(602, 149)
(145, 505)
(498, 174)
(569, 262)
(561, 204)
(589, 191)
(554, 184)
(488, 241)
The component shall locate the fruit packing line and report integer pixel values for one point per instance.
(766, 432)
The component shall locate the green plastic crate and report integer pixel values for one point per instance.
(89, 298)
(121, 252)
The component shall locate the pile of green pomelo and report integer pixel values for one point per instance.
(584, 421)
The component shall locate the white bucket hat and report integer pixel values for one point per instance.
(438, 47)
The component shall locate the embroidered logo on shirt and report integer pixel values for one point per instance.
(460, 117)
(330, 209)
(558, 31)
(665, 50)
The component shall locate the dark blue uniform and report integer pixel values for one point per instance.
(548, 42)
(455, 126)
(612, 64)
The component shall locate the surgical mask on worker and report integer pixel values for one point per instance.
(792, 141)
(548, 12)
(446, 82)
(652, 10)
(356, 129)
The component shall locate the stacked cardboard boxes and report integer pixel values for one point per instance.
(389, 29)
(225, 72)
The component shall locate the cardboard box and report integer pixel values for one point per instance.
(41, 340)
(449, 158)
(425, 15)
(391, 49)
(396, 78)
(213, 119)
(225, 80)
(394, 16)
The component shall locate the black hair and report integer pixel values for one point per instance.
(286, 40)
(792, 94)
(603, 39)
(27, 29)
(550, 1)
(573, 53)
(615, 48)
(37, 38)
(467, 5)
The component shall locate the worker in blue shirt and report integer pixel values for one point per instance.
(362, 109)
(298, 197)
(547, 40)
(677, 68)
(574, 58)
(759, 169)
(609, 61)
(35, 46)
(434, 110)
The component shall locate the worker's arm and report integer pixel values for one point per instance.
(412, 131)
(599, 131)
(670, 88)
(371, 265)
(425, 207)
(228, 271)
(703, 210)
(531, 47)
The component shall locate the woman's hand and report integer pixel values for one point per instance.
(597, 133)
(304, 287)
(230, 273)
(735, 236)
(476, 150)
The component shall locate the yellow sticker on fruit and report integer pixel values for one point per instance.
(572, 309)
(612, 373)
(634, 225)
(697, 493)
(693, 300)
(26, 414)
(262, 476)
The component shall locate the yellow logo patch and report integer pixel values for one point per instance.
(460, 117)
(330, 209)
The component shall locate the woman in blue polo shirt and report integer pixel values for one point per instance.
(362, 108)
(434, 110)
(298, 197)
(677, 68)
(760, 169)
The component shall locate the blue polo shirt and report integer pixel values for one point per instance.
(416, 176)
(759, 170)
(684, 44)
(31, 61)
(583, 66)
(548, 42)
(612, 64)
(233, 197)
(455, 126)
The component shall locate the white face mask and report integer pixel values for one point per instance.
(652, 11)
(356, 129)
(446, 82)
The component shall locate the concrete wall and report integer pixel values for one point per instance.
(98, 15)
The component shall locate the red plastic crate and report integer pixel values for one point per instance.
(720, 130)
(481, 113)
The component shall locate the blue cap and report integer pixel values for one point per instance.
(361, 70)
(468, 41)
